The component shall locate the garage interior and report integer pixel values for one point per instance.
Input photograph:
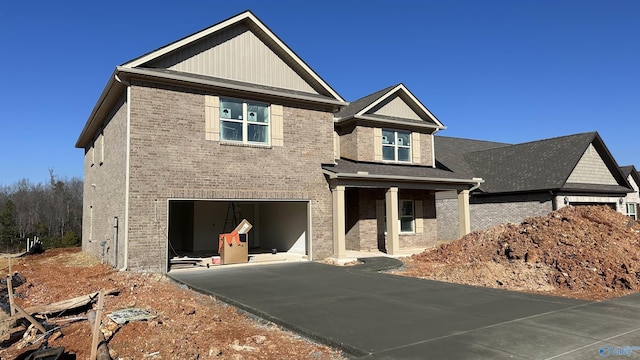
(279, 233)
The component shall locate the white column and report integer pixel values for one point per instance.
(393, 239)
(339, 244)
(463, 212)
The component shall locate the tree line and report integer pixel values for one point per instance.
(52, 212)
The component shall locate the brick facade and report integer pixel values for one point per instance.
(104, 187)
(364, 224)
(171, 158)
(488, 212)
(357, 142)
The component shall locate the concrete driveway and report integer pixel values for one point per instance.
(373, 315)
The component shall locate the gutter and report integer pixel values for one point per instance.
(127, 173)
(332, 175)
(224, 85)
(348, 120)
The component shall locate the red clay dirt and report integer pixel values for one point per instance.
(590, 252)
(187, 325)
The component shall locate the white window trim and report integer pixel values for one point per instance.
(634, 214)
(413, 216)
(245, 122)
(396, 146)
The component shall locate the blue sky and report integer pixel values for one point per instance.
(509, 71)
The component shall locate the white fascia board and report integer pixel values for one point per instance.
(333, 175)
(187, 40)
(397, 122)
(106, 93)
(234, 20)
(406, 91)
(221, 84)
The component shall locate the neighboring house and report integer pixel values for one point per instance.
(529, 179)
(632, 200)
(229, 123)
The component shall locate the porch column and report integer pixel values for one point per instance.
(463, 212)
(339, 244)
(393, 240)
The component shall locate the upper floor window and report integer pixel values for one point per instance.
(396, 145)
(244, 122)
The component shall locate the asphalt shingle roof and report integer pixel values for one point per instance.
(356, 106)
(347, 166)
(533, 166)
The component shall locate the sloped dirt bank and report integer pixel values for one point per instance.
(589, 252)
(186, 325)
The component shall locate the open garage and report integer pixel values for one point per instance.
(280, 227)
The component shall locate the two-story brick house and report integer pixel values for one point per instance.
(229, 123)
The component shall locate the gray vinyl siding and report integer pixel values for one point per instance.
(235, 53)
(591, 169)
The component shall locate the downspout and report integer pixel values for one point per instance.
(478, 181)
(115, 241)
(127, 174)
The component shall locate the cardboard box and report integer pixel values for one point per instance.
(243, 227)
(232, 249)
(234, 246)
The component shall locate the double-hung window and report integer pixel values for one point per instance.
(396, 145)
(406, 216)
(244, 122)
(631, 211)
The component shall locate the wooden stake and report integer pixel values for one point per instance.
(10, 291)
(96, 326)
(30, 318)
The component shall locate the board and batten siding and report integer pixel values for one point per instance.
(238, 54)
(396, 107)
(591, 169)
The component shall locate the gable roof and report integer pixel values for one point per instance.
(630, 170)
(364, 107)
(543, 165)
(262, 31)
(140, 68)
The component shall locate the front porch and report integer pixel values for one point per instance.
(391, 213)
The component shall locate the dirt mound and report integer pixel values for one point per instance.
(588, 252)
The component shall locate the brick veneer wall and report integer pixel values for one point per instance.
(107, 198)
(362, 223)
(358, 142)
(170, 158)
(486, 212)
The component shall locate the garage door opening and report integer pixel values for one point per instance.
(280, 230)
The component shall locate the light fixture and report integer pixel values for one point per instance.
(621, 201)
(566, 200)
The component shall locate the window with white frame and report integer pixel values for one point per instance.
(407, 218)
(244, 122)
(396, 145)
(632, 211)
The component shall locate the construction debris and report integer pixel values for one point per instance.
(588, 252)
(187, 325)
(131, 314)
